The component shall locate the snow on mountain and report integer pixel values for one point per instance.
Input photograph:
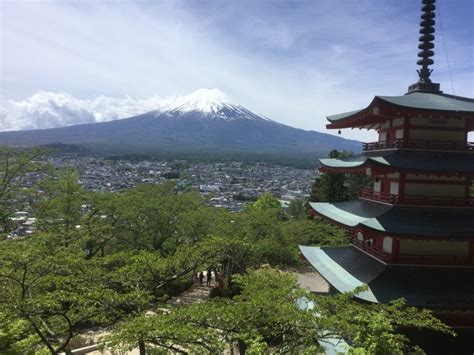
(210, 103)
(203, 100)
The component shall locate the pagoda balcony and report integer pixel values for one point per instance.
(370, 249)
(447, 201)
(397, 143)
(370, 194)
(420, 144)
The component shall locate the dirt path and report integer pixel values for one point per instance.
(312, 281)
(195, 294)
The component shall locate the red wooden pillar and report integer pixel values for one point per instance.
(401, 187)
(406, 124)
(471, 250)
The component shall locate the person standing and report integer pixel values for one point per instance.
(208, 277)
(201, 277)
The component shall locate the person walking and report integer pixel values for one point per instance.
(208, 277)
(201, 277)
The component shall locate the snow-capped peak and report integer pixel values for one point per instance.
(210, 104)
(203, 100)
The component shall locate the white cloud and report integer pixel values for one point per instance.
(49, 110)
(295, 62)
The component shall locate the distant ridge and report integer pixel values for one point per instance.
(66, 148)
(205, 122)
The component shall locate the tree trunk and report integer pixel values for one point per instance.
(141, 347)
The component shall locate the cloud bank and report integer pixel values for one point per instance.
(50, 110)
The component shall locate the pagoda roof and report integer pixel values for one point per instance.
(432, 101)
(346, 268)
(407, 160)
(418, 101)
(401, 221)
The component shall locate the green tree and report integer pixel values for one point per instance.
(298, 208)
(53, 294)
(265, 313)
(59, 211)
(315, 232)
(154, 217)
(272, 312)
(15, 165)
(265, 202)
(335, 187)
(373, 329)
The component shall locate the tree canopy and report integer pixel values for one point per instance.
(112, 259)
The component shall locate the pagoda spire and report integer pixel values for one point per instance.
(426, 45)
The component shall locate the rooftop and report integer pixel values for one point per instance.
(425, 161)
(347, 268)
(418, 101)
(422, 222)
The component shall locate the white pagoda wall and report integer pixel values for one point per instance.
(437, 122)
(437, 135)
(414, 189)
(433, 247)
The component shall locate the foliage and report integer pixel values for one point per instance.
(15, 165)
(298, 208)
(315, 232)
(263, 315)
(54, 293)
(59, 211)
(272, 314)
(265, 202)
(104, 259)
(372, 329)
(336, 187)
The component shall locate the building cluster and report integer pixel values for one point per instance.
(230, 185)
(24, 225)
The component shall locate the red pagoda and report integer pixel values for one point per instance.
(412, 230)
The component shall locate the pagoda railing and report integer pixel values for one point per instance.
(369, 248)
(448, 201)
(397, 143)
(420, 144)
(370, 194)
(411, 259)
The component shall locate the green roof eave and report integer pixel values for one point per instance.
(341, 116)
(336, 214)
(429, 161)
(413, 100)
(426, 222)
(338, 163)
(336, 275)
(420, 286)
(431, 101)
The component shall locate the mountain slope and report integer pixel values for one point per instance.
(205, 121)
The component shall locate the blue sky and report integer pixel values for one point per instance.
(292, 61)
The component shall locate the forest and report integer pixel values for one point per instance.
(110, 262)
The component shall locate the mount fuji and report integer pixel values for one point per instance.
(204, 122)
